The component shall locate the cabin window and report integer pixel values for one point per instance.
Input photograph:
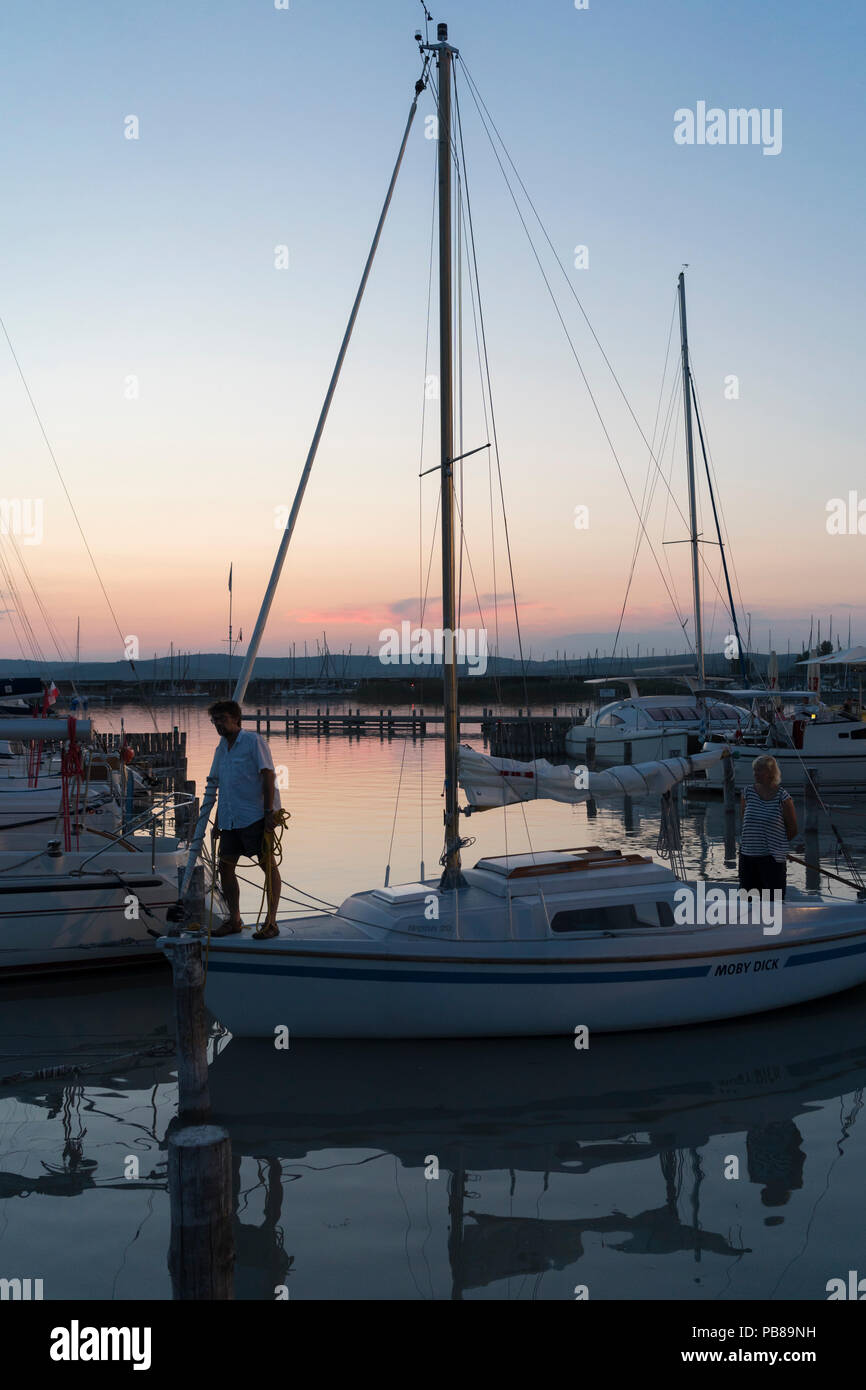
(618, 917)
(608, 719)
(859, 733)
(725, 713)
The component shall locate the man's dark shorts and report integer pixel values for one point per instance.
(244, 839)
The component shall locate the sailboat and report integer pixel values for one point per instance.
(661, 726)
(520, 944)
(81, 880)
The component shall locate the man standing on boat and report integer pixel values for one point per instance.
(243, 771)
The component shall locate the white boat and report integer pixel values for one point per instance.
(534, 945)
(79, 891)
(655, 726)
(85, 909)
(520, 945)
(805, 737)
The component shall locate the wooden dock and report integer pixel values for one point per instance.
(160, 757)
(521, 735)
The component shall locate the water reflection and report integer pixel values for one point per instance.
(651, 1111)
(499, 1169)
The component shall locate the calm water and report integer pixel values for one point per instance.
(556, 1168)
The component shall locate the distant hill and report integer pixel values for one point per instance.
(212, 666)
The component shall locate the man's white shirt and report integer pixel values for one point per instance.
(236, 771)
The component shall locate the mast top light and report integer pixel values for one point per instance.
(442, 33)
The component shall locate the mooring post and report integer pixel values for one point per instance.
(730, 797)
(810, 829)
(627, 751)
(201, 1252)
(590, 754)
(193, 1101)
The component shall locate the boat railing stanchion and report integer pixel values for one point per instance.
(810, 829)
(730, 798)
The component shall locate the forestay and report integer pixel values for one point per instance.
(490, 782)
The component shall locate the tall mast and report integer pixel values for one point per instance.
(451, 875)
(690, 455)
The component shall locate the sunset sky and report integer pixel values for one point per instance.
(149, 264)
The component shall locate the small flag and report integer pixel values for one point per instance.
(231, 567)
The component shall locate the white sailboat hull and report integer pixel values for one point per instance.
(332, 980)
(376, 1000)
(53, 919)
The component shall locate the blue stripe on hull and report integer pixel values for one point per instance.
(449, 977)
(460, 975)
(810, 957)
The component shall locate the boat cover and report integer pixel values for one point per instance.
(490, 782)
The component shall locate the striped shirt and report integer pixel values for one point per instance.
(764, 825)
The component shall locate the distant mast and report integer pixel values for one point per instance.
(690, 457)
(231, 567)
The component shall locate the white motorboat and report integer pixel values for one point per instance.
(656, 726)
(804, 736)
(528, 944)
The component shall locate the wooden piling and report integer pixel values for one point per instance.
(810, 829)
(201, 1251)
(193, 1101)
(730, 798)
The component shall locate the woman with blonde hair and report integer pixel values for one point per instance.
(769, 822)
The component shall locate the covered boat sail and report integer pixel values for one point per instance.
(490, 782)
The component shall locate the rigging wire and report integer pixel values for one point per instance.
(493, 429)
(72, 508)
(649, 490)
(570, 340)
